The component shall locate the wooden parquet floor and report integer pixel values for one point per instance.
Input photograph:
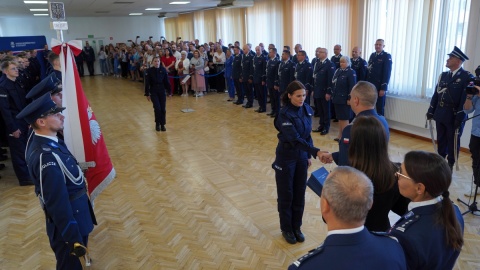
(200, 196)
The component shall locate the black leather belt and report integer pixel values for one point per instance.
(77, 195)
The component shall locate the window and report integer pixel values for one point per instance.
(418, 35)
(321, 23)
(265, 23)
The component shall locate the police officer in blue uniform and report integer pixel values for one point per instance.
(347, 195)
(12, 101)
(270, 79)
(323, 71)
(446, 106)
(262, 49)
(59, 184)
(379, 71)
(50, 84)
(342, 83)
(295, 60)
(431, 233)
(304, 73)
(292, 159)
(237, 73)
(247, 76)
(359, 64)
(259, 65)
(363, 98)
(336, 55)
(285, 75)
(56, 68)
(156, 83)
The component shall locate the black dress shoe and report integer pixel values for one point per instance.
(270, 113)
(260, 110)
(324, 132)
(319, 129)
(336, 139)
(238, 103)
(157, 127)
(289, 237)
(2, 166)
(248, 106)
(299, 235)
(335, 120)
(162, 128)
(273, 115)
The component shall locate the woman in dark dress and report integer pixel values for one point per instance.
(368, 152)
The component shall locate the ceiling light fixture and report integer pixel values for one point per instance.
(135, 14)
(39, 9)
(40, 14)
(153, 8)
(35, 2)
(179, 2)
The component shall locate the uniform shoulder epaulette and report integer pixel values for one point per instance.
(407, 222)
(310, 254)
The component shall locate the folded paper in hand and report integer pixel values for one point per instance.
(184, 81)
(317, 179)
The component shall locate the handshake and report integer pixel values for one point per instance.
(325, 156)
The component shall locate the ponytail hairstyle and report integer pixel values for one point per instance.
(291, 88)
(433, 172)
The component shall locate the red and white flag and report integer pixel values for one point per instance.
(82, 132)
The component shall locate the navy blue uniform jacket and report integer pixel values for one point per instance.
(285, 75)
(294, 137)
(237, 67)
(361, 250)
(336, 60)
(271, 72)
(156, 81)
(322, 75)
(423, 240)
(360, 67)
(342, 83)
(304, 73)
(12, 101)
(341, 157)
(446, 107)
(259, 64)
(380, 69)
(72, 218)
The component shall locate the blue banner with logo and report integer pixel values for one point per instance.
(18, 44)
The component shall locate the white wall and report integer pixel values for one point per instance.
(120, 29)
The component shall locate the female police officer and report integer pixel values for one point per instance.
(156, 83)
(342, 83)
(431, 234)
(294, 151)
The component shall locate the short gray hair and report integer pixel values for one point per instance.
(349, 193)
(366, 92)
(346, 58)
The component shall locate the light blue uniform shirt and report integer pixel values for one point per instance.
(476, 120)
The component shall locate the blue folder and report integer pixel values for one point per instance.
(317, 179)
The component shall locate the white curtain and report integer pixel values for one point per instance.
(321, 23)
(204, 23)
(231, 25)
(418, 34)
(265, 23)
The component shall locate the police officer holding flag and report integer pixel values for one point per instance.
(446, 106)
(59, 184)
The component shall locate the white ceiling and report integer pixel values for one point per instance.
(104, 8)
